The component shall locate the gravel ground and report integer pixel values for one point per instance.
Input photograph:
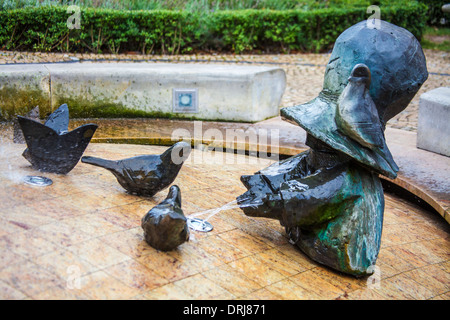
(304, 72)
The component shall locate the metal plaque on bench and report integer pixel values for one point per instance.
(185, 100)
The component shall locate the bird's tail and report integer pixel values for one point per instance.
(103, 163)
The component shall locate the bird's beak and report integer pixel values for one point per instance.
(361, 71)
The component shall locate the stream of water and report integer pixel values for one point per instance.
(203, 225)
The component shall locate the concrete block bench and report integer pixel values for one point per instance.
(22, 88)
(190, 91)
(433, 131)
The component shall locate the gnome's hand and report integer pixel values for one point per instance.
(265, 205)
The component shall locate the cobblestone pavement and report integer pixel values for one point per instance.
(304, 72)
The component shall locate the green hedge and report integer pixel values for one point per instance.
(174, 32)
(435, 13)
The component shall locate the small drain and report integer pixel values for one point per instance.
(38, 181)
(199, 225)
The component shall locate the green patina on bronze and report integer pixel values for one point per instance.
(329, 205)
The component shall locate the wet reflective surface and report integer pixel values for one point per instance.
(198, 224)
(85, 224)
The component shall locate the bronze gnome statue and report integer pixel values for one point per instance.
(329, 198)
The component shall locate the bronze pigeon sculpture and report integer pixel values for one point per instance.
(165, 226)
(356, 113)
(147, 174)
(51, 147)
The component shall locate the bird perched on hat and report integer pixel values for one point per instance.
(356, 113)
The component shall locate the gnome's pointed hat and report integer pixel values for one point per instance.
(398, 70)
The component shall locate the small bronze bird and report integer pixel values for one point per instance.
(51, 147)
(148, 174)
(356, 114)
(165, 226)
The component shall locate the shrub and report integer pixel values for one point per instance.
(435, 13)
(315, 31)
(172, 32)
(102, 30)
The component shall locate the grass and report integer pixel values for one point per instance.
(436, 39)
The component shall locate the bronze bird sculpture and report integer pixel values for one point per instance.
(51, 147)
(147, 174)
(356, 113)
(165, 226)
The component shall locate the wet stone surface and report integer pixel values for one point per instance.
(84, 227)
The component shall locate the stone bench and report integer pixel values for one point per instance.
(22, 87)
(190, 91)
(433, 131)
